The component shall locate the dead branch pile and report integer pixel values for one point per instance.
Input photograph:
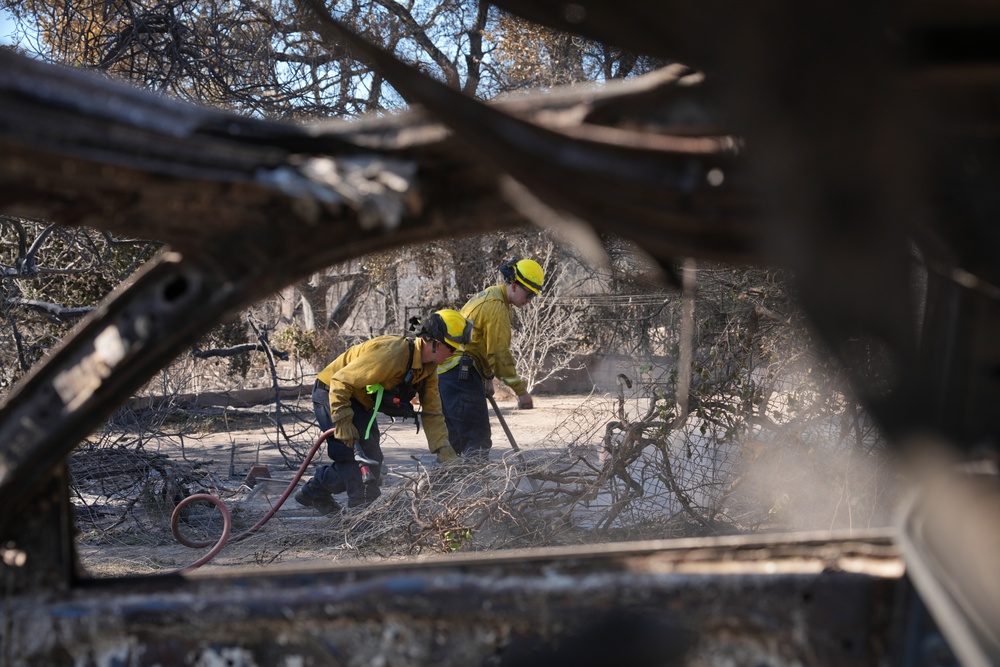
(612, 470)
(124, 489)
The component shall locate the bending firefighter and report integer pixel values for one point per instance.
(382, 374)
(466, 377)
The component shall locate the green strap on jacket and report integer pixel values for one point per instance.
(378, 390)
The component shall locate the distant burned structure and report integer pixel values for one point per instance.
(853, 142)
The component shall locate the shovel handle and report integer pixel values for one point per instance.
(503, 423)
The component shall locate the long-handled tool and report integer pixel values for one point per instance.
(503, 423)
(510, 438)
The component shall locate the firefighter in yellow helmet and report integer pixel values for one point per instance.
(379, 375)
(466, 378)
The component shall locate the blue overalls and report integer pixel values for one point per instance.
(463, 398)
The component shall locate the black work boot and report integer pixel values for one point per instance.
(324, 504)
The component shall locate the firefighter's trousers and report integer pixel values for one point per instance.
(343, 474)
(465, 412)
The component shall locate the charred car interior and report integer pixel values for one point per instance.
(859, 142)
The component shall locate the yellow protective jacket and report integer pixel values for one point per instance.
(385, 360)
(490, 347)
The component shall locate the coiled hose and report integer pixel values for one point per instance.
(227, 519)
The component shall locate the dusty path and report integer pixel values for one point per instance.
(532, 430)
(544, 429)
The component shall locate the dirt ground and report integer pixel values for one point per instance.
(569, 497)
(531, 429)
(300, 535)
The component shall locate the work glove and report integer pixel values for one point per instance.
(488, 386)
(446, 455)
(345, 432)
(524, 401)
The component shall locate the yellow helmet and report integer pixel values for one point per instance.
(446, 326)
(528, 272)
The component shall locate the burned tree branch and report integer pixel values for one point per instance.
(56, 313)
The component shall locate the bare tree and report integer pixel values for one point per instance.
(551, 334)
(51, 276)
(524, 55)
(258, 57)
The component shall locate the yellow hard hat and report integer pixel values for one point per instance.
(529, 273)
(449, 327)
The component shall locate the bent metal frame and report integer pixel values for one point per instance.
(860, 143)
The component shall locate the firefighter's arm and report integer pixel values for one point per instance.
(432, 417)
(497, 338)
(340, 398)
(351, 381)
(342, 412)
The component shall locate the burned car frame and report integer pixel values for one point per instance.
(860, 122)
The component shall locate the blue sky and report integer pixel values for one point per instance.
(6, 27)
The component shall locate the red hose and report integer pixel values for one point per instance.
(227, 520)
